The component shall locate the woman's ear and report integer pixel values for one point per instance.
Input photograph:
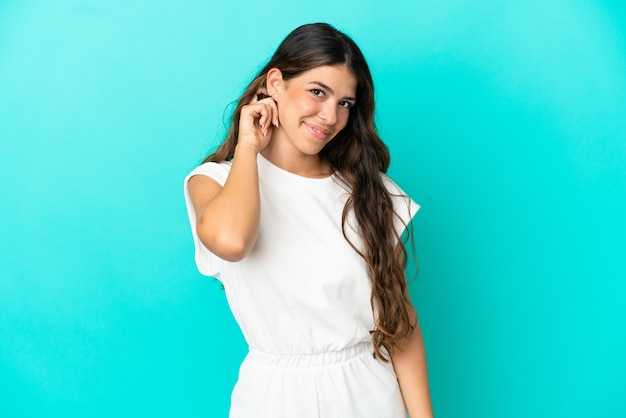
(274, 81)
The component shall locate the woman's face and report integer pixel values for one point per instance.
(314, 107)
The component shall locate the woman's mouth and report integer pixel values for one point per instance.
(317, 131)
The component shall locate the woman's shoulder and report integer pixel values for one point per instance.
(218, 171)
(404, 205)
(391, 186)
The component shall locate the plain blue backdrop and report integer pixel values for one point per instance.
(506, 122)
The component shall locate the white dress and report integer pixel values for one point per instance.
(302, 300)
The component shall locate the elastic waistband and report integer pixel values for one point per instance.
(326, 358)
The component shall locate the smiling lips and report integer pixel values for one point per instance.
(318, 132)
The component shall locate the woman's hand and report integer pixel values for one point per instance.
(257, 121)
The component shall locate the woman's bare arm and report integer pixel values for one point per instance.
(227, 218)
(409, 363)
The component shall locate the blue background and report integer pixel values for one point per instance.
(506, 121)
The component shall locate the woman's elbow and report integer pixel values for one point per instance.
(232, 250)
(227, 246)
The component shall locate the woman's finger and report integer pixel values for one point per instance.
(259, 95)
(257, 116)
(274, 109)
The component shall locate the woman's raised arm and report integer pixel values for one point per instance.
(227, 218)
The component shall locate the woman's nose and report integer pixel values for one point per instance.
(328, 113)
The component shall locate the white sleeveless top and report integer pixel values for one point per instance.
(303, 290)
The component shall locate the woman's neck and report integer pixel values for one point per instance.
(290, 159)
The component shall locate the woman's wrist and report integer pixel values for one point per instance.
(247, 149)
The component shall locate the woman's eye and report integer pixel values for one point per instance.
(317, 92)
(345, 104)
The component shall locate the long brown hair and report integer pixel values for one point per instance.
(358, 156)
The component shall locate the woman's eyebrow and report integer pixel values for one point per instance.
(324, 86)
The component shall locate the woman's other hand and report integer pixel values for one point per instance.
(257, 121)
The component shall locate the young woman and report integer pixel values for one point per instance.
(295, 216)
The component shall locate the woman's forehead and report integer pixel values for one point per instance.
(337, 78)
